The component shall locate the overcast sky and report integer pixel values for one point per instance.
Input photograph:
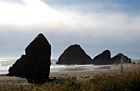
(96, 25)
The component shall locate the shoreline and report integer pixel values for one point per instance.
(9, 80)
(122, 78)
(79, 76)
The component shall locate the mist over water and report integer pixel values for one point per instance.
(6, 63)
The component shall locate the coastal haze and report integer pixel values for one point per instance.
(96, 25)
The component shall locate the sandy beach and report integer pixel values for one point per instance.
(78, 75)
(8, 80)
(120, 79)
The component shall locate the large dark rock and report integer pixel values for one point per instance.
(18, 69)
(74, 54)
(103, 59)
(35, 65)
(117, 59)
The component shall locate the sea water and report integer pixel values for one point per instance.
(6, 63)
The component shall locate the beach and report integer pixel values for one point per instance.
(78, 72)
(78, 75)
(126, 78)
(5, 80)
(64, 76)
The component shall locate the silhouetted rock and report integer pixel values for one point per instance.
(103, 59)
(117, 59)
(35, 65)
(18, 69)
(74, 54)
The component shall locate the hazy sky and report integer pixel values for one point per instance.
(96, 25)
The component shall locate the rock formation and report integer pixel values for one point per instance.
(103, 59)
(18, 69)
(117, 59)
(35, 65)
(74, 54)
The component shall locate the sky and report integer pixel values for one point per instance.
(96, 25)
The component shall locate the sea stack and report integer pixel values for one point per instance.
(120, 57)
(103, 59)
(18, 68)
(74, 54)
(35, 65)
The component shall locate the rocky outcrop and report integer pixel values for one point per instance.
(35, 65)
(18, 69)
(120, 58)
(103, 59)
(74, 54)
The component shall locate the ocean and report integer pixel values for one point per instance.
(6, 63)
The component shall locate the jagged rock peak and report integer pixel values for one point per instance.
(103, 59)
(74, 54)
(120, 57)
(35, 65)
